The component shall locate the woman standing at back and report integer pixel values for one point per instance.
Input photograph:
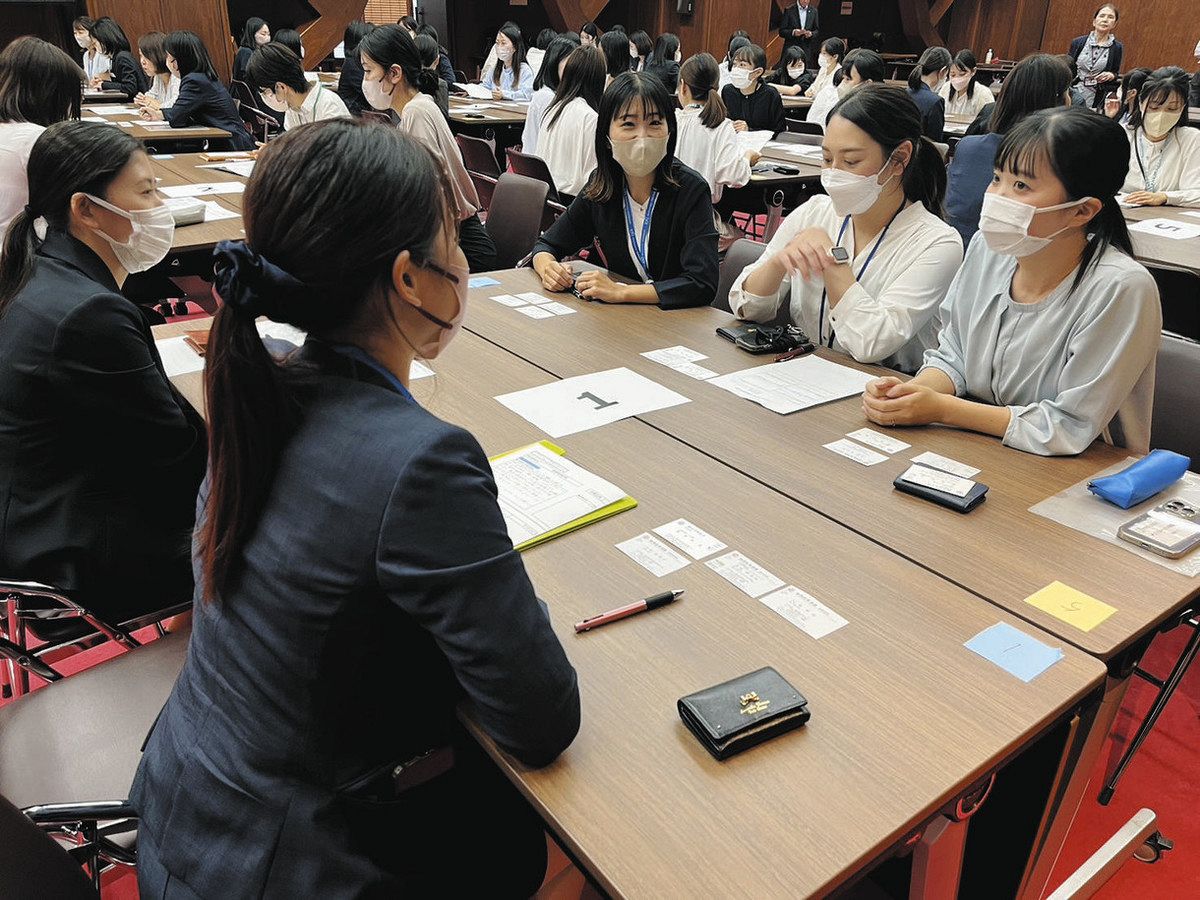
(356, 580)
(1098, 56)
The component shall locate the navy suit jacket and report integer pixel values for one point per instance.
(127, 76)
(968, 178)
(683, 239)
(350, 84)
(205, 101)
(100, 458)
(933, 111)
(791, 21)
(379, 587)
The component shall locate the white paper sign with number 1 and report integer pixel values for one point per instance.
(586, 401)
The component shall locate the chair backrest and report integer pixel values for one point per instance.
(459, 77)
(531, 167)
(794, 137)
(34, 864)
(478, 155)
(245, 97)
(514, 219)
(741, 253)
(799, 126)
(1175, 424)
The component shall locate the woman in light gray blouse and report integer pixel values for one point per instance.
(1050, 327)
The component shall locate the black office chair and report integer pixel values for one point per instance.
(260, 121)
(1174, 426)
(33, 864)
(514, 220)
(479, 158)
(532, 167)
(741, 253)
(459, 77)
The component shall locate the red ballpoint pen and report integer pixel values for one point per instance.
(624, 612)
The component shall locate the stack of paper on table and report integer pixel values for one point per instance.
(478, 91)
(542, 494)
(796, 384)
(753, 140)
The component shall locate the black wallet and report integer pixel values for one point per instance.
(736, 715)
(965, 504)
(768, 338)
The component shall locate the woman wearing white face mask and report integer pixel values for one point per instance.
(790, 78)
(275, 72)
(1164, 153)
(651, 215)
(511, 78)
(864, 266)
(1050, 324)
(962, 95)
(752, 106)
(833, 51)
(95, 62)
(924, 82)
(858, 68)
(79, 367)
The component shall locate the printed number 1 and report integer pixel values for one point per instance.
(600, 404)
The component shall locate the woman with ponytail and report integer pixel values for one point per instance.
(356, 580)
(1050, 324)
(395, 80)
(100, 458)
(865, 265)
(924, 82)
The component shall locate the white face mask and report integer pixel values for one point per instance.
(639, 156)
(960, 82)
(504, 54)
(844, 88)
(851, 194)
(272, 101)
(1158, 122)
(740, 78)
(824, 60)
(376, 95)
(83, 40)
(150, 241)
(795, 72)
(678, 56)
(1005, 225)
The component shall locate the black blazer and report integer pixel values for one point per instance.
(350, 84)
(761, 111)
(241, 59)
(683, 239)
(1112, 64)
(100, 458)
(933, 111)
(982, 122)
(127, 76)
(204, 101)
(1194, 91)
(380, 588)
(791, 21)
(668, 73)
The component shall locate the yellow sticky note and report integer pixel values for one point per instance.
(1072, 606)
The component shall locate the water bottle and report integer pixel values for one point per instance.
(987, 60)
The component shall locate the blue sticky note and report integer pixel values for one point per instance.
(482, 281)
(1014, 651)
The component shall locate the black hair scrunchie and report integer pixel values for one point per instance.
(250, 283)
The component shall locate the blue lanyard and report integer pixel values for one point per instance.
(640, 249)
(870, 256)
(359, 355)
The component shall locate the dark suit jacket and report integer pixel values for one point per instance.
(445, 70)
(203, 101)
(100, 458)
(240, 60)
(981, 122)
(791, 21)
(668, 73)
(127, 76)
(350, 84)
(683, 239)
(1113, 64)
(1194, 91)
(933, 112)
(968, 178)
(761, 111)
(380, 587)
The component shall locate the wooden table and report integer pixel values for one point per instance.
(1164, 252)
(796, 102)
(159, 136)
(956, 126)
(90, 97)
(1001, 552)
(499, 112)
(183, 169)
(635, 799)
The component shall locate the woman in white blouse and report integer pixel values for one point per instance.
(963, 95)
(164, 87)
(544, 85)
(833, 50)
(95, 62)
(570, 121)
(1164, 152)
(1050, 327)
(864, 266)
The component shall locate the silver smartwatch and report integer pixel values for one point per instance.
(840, 255)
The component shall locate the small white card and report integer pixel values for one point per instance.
(508, 300)
(559, 309)
(535, 312)
(939, 481)
(692, 540)
(199, 190)
(534, 297)
(744, 574)
(804, 611)
(853, 451)
(691, 370)
(879, 441)
(418, 369)
(1180, 231)
(672, 356)
(652, 554)
(214, 212)
(937, 461)
(178, 356)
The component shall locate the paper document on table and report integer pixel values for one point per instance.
(197, 190)
(1168, 228)
(587, 401)
(112, 109)
(754, 140)
(879, 441)
(946, 464)
(652, 554)
(805, 151)
(673, 356)
(542, 494)
(694, 541)
(234, 167)
(796, 384)
(478, 91)
(214, 212)
(745, 574)
(178, 356)
(804, 611)
(939, 481)
(853, 451)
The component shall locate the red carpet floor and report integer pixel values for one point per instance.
(1164, 776)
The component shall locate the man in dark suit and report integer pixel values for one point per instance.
(800, 28)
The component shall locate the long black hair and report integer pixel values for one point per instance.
(354, 34)
(1089, 155)
(547, 75)
(702, 75)
(867, 63)
(665, 49)
(392, 45)
(583, 76)
(791, 56)
(39, 83)
(627, 90)
(249, 31)
(323, 230)
(644, 46)
(1158, 88)
(1039, 81)
(190, 54)
(590, 28)
(109, 36)
(615, 47)
(66, 159)
(513, 32)
(890, 117)
(965, 60)
(290, 38)
(934, 59)
(153, 46)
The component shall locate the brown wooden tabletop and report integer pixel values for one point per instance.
(636, 799)
(157, 135)
(1000, 551)
(184, 168)
(498, 112)
(104, 97)
(797, 102)
(1164, 252)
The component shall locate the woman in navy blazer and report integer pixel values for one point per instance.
(923, 83)
(651, 215)
(356, 580)
(202, 100)
(125, 74)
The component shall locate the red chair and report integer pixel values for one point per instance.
(533, 167)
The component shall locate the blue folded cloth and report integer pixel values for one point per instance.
(1142, 480)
